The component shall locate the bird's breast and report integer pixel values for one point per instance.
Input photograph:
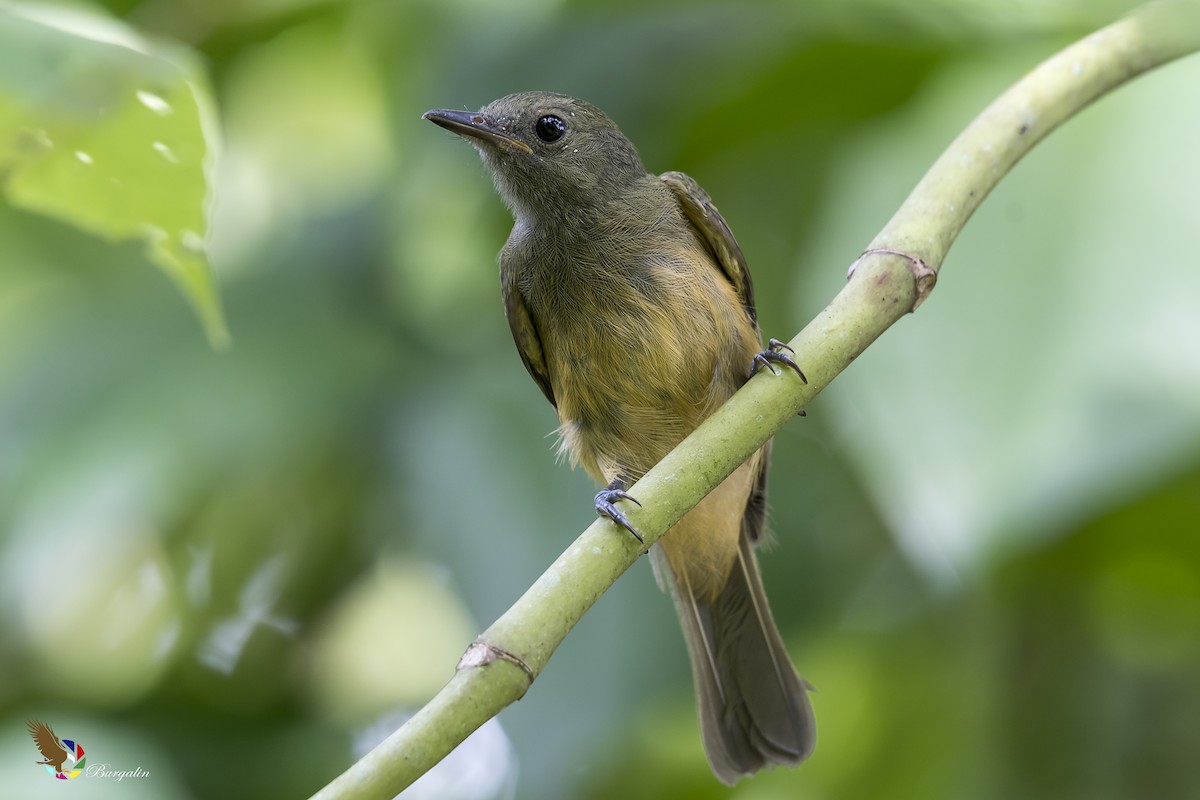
(639, 349)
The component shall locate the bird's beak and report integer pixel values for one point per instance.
(476, 126)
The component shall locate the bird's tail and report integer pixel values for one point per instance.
(753, 707)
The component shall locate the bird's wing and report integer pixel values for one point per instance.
(529, 344)
(698, 207)
(47, 742)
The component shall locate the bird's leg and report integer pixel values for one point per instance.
(605, 508)
(774, 354)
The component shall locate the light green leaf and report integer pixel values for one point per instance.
(105, 132)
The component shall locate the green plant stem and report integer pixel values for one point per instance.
(890, 279)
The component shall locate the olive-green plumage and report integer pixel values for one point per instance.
(632, 307)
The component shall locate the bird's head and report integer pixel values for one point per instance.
(549, 154)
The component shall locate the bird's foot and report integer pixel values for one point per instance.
(605, 499)
(775, 355)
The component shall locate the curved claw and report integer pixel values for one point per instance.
(767, 357)
(605, 508)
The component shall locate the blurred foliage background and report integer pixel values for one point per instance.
(240, 568)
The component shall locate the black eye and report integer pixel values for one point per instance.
(550, 128)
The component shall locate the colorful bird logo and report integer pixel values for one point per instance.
(55, 752)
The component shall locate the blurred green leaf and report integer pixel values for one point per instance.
(110, 134)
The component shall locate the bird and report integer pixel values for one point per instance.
(632, 308)
(48, 744)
